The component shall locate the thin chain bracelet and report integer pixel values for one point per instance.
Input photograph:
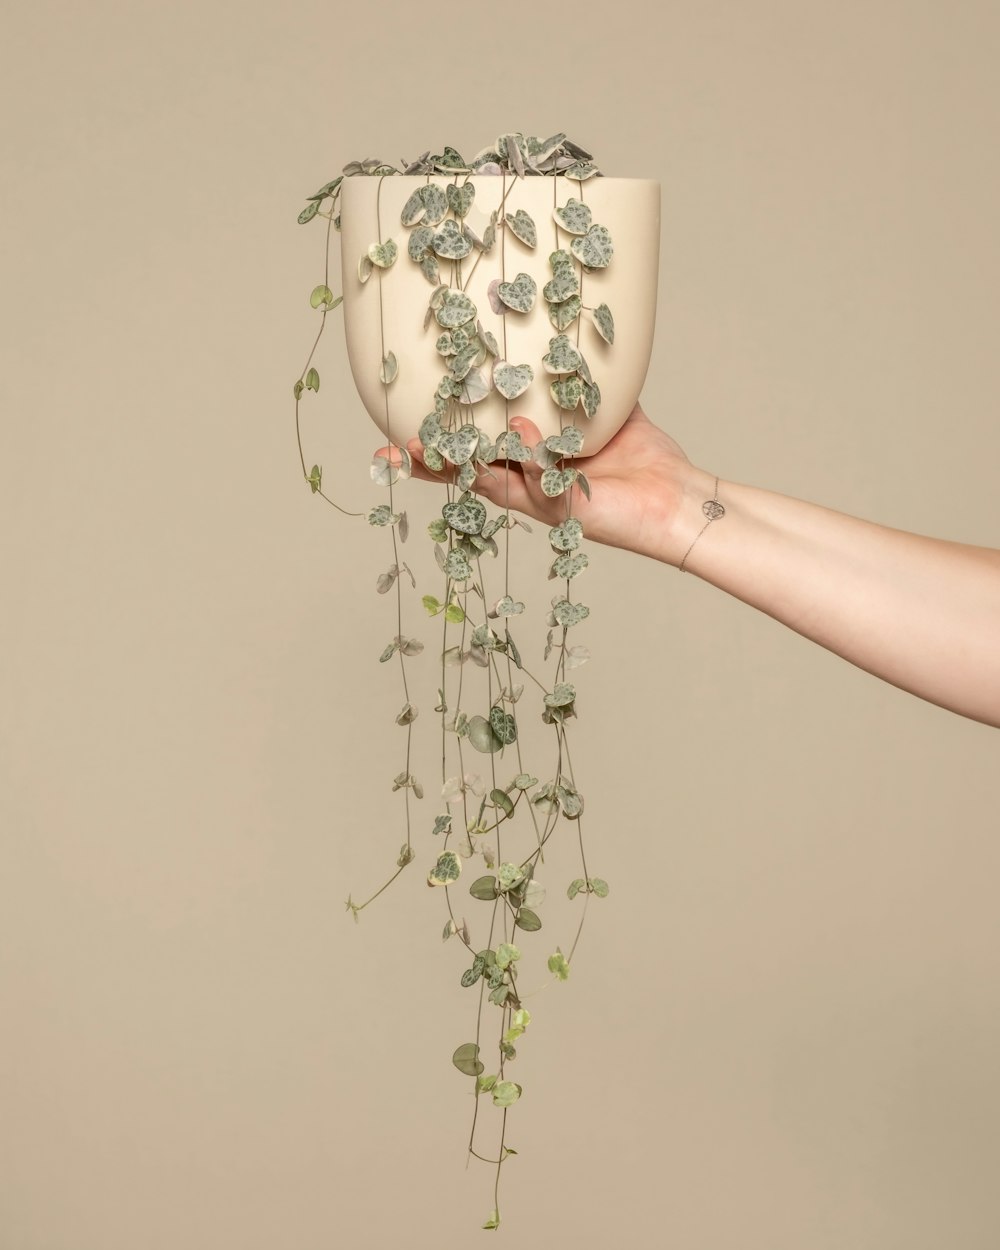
(712, 510)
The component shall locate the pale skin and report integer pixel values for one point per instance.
(921, 613)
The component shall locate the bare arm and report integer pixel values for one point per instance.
(921, 613)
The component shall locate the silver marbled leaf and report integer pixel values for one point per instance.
(460, 198)
(450, 243)
(563, 315)
(591, 398)
(562, 287)
(456, 309)
(568, 535)
(569, 566)
(419, 241)
(512, 380)
(567, 614)
(519, 294)
(458, 445)
(575, 217)
(510, 447)
(522, 225)
(562, 357)
(466, 515)
(568, 442)
(595, 249)
(457, 566)
(384, 254)
(604, 322)
(435, 204)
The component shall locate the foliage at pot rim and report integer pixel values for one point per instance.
(474, 618)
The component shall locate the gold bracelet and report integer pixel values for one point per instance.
(712, 510)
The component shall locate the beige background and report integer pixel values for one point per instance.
(783, 1025)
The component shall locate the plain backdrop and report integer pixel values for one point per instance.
(782, 1026)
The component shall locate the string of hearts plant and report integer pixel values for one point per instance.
(495, 831)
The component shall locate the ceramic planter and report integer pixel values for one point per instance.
(388, 312)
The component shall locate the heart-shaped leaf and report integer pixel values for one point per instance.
(567, 393)
(561, 287)
(561, 261)
(488, 340)
(430, 269)
(503, 725)
(555, 481)
(595, 249)
(458, 446)
(575, 217)
(581, 171)
(446, 344)
(389, 370)
(466, 478)
(562, 695)
(435, 203)
(567, 614)
(414, 208)
(568, 441)
(591, 398)
(447, 869)
(467, 1060)
(456, 310)
(506, 607)
(464, 360)
(457, 566)
(604, 322)
(512, 380)
(568, 566)
(450, 243)
(468, 516)
(460, 198)
(519, 294)
(419, 242)
(562, 356)
(522, 225)
(563, 315)
(475, 387)
(567, 536)
(510, 447)
(481, 736)
(383, 254)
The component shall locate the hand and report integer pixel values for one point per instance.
(640, 483)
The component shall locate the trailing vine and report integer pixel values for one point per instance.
(500, 826)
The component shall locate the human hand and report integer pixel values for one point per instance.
(640, 484)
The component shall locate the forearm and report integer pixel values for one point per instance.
(920, 613)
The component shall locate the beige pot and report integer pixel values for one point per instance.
(387, 313)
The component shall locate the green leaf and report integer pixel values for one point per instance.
(470, 976)
(507, 954)
(481, 736)
(599, 887)
(484, 888)
(506, 1093)
(559, 965)
(528, 920)
(298, 388)
(493, 1220)
(575, 887)
(524, 781)
(432, 604)
(466, 1059)
(447, 869)
(563, 694)
(510, 876)
(312, 380)
(454, 614)
(315, 478)
(321, 295)
(438, 530)
(502, 800)
(309, 212)
(442, 824)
